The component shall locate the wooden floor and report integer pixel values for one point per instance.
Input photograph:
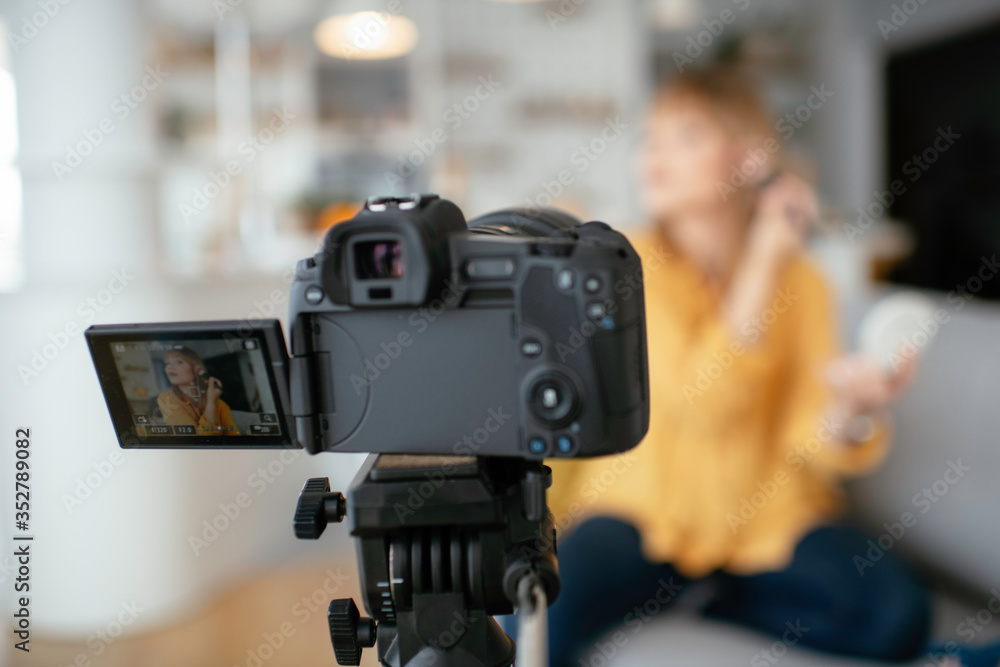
(261, 623)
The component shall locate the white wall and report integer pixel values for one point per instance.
(129, 539)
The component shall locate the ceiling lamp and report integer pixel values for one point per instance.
(674, 15)
(366, 35)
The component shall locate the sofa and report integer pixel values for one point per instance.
(951, 414)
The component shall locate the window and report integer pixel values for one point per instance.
(11, 266)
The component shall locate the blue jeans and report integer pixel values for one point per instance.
(820, 600)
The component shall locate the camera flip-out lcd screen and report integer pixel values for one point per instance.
(194, 384)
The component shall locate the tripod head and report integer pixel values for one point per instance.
(443, 543)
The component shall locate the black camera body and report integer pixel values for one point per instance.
(415, 333)
(459, 355)
(412, 332)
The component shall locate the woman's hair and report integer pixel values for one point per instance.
(187, 354)
(726, 94)
(193, 358)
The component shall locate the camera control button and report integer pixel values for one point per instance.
(553, 400)
(564, 444)
(490, 269)
(531, 348)
(537, 446)
(550, 397)
(314, 294)
(592, 284)
(565, 279)
(596, 310)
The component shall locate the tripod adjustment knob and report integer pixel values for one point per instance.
(349, 631)
(317, 506)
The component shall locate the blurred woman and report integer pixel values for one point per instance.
(755, 414)
(194, 399)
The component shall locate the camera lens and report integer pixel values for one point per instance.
(553, 400)
(378, 260)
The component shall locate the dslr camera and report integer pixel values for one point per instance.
(460, 355)
(411, 333)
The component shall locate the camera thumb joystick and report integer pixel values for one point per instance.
(349, 631)
(316, 508)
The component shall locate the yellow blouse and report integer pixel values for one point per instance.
(738, 462)
(179, 411)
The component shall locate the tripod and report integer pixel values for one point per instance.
(443, 544)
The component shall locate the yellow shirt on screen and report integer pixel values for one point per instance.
(177, 411)
(738, 463)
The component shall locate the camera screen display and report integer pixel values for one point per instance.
(195, 385)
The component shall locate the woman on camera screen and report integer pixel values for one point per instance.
(755, 414)
(194, 399)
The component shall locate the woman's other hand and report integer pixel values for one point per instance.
(862, 387)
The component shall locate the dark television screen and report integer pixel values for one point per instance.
(952, 185)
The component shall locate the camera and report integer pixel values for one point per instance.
(459, 355)
(412, 332)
